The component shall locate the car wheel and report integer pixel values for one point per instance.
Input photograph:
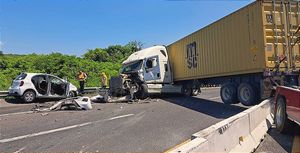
(283, 124)
(29, 96)
(72, 94)
(228, 93)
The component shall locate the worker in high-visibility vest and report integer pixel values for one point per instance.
(81, 77)
(103, 80)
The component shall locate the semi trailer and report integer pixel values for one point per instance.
(243, 52)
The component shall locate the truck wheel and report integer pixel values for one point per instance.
(196, 91)
(228, 93)
(247, 94)
(29, 96)
(186, 91)
(143, 93)
(283, 124)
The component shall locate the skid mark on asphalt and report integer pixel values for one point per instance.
(61, 129)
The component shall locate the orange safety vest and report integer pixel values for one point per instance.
(81, 76)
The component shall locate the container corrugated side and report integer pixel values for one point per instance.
(230, 46)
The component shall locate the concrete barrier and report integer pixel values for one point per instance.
(240, 133)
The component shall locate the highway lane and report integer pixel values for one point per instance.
(275, 142)
(154, 125)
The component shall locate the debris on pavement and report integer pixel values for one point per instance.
(44, 114)
(105, 98)
(81, 103)
(97, 98)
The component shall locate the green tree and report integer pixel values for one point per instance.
(97, 54)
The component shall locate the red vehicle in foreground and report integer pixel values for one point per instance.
(287, 107)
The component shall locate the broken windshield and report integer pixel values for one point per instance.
(132, 67)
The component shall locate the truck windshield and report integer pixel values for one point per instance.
(132, 67)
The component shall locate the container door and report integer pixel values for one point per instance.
(282, 34)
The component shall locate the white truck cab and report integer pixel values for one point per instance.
(153, 67)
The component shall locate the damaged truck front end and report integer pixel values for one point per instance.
(143, 73)
(130, 83)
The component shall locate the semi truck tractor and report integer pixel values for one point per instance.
(240, 52)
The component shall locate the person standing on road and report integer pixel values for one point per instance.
(103, 80)
(81, 77)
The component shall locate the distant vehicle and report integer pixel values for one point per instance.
(30, 86)
(287, 107)
(240, 51)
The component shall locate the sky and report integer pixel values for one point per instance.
(73, 26)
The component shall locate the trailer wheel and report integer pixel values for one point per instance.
(228, 93)
(247, 94)
(283, 124)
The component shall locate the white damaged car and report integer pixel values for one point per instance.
(30, 86)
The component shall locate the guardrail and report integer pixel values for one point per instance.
(91, 89)
(3, 93)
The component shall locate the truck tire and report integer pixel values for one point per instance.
(283, 124)
(186, 91)
(195, 91)
(29, 96)
(143, 93)
(228, 93)
(247, 94)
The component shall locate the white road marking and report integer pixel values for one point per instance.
(21, 149)
(213, 98)
(18, 113)
(122, 116)
(60, 129)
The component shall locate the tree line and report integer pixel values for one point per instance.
(93, 62)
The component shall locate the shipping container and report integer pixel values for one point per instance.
(248, 53)
(248, 41)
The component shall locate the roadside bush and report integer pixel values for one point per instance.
(94, 62)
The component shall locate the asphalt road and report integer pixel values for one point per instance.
(275, 142)
(154, 125)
